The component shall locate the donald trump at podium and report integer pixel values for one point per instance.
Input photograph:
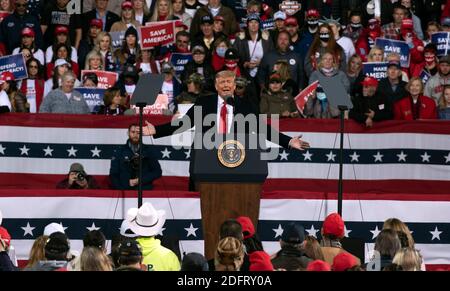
(224, 107)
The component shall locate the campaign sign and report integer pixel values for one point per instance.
(290, 7)
(157, 34)
(14, 64)
(442, 41)
(425, 76)
(179, 60)
(117, 39)
(105, 79)
(376, 70)
(395, 46)
(92, 96)
(268, 24)
(158, 108)
(3, 14)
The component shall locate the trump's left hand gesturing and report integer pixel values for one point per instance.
(298, 144)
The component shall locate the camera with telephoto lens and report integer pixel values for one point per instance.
(80, 177)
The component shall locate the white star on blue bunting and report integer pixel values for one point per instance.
(48, 151)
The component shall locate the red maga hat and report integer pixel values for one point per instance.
(370, 81)
(248, 229)
(61, 29)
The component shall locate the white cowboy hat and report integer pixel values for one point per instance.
(146, 221)
(126, 231)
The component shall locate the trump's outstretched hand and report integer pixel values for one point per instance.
(298, 144)
(148, 129)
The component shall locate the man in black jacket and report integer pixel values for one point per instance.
(124, 164)
(291, 257)
(392, 88)
(369, 106)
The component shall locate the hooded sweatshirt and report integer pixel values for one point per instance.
(157, 257)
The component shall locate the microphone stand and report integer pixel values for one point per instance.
(342, 109)
(141, 117)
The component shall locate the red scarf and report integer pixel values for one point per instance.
(39, 86)
(162, 17)
(217, 62)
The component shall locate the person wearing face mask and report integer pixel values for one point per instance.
(308, 32)
(232, 63)
(324, 41)
(354, 28)
(345, 42)
(220, 46)
(435, 84)
(429, 66)
(317, 105)
(366, 40)
(416, 47)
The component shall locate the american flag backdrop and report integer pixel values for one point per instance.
(396, 169)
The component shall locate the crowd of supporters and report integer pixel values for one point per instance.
(139, 247)
(274, 55)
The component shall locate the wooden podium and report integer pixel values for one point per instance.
(226, 192)
(222, 201)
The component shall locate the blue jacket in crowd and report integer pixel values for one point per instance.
(11, 30)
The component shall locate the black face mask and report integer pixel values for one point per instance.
(356, 25)
(325, 37)
(313, 23)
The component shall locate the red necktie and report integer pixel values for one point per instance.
(223, 118)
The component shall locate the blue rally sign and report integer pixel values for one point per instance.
(395, 46)
(442, 41)
(93, 97)
(179, 60)
(14, 64)
(376, 70)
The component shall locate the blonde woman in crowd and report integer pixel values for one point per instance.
(94, 259)
(409, 259)
(37, 252)
(94, 61)
(163, 11)
(376, 55)
(103, 44)
(127, 18)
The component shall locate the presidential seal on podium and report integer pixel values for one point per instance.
(231, 153)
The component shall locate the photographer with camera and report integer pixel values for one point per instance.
(77, 179)
(124, 170)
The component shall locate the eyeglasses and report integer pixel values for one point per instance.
(33, 67)
(275, 82)
(182, 41)
(21, 5)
